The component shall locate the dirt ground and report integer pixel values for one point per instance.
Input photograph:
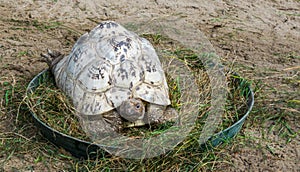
(259, 39)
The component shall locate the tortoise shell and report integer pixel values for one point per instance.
(109, 65)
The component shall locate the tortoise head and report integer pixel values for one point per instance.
(132, 109)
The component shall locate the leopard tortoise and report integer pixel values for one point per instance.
(112, 75)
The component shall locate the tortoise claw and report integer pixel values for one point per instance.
(53, 54)
(51, 57)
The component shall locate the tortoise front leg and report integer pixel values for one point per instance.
(102, 126)
(160, 114)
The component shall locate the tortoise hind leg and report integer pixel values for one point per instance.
(52, 57)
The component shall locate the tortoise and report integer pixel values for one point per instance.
(113, 76)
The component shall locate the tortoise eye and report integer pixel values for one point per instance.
(138, 106)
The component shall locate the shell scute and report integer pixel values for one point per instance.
(117, 95)
(156, 94)
(117, 49)
(96, 76)
(79, 59)
(126, 75)
(154, 74)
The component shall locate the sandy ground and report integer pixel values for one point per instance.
(261, 36)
